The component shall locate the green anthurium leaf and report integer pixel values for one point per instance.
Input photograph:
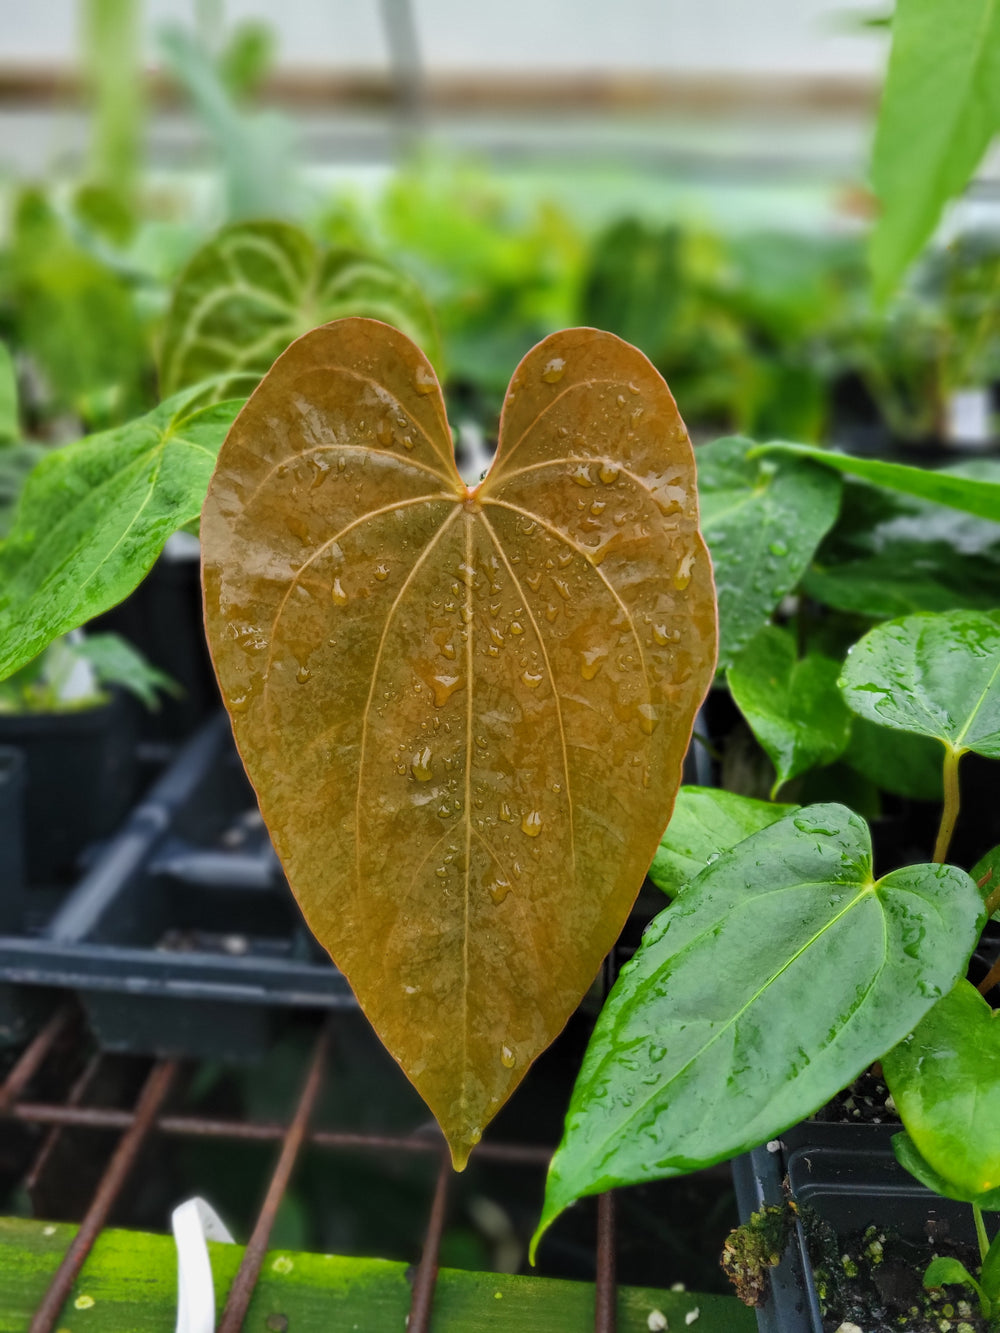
(94, 515)
(793, 707)
(903, 764)
(891, 554)
(8, 396)
(116, 662)
(706, 821)
(972, 495)
(762, 520)
(257, 286)
(945, 1080)
(766, 986)
(939, 110)
(934, 675)
(908, 1156)
(16, 461)
(990, 1274)
(946, 1270)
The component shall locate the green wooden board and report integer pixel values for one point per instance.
(129, 1284)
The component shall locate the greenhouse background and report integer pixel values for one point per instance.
(809, 254)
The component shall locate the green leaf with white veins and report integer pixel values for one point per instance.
(778, 974)
(793, 707)
(257, 286)
(935, 675)
(706, 822)
(762, 519)
(93, 516)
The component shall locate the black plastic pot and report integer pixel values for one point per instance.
(11, 838)
(848, 1176)
(80, 779)
(183, 937)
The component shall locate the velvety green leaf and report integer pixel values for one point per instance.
(940, 108)
(945, 1080)
(257, 286)
(933, 675)
(793, 707)
(705, 822)
(8, 396)
(899, 762)
(762, 520)
(94, 516)
(908, 1156)
(972, 495)
(778, 974)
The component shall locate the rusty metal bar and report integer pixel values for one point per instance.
(605, 1286)
(34, 1055)
(100, 1117)
(238, 1300)
(156, 1088)
(76, 1095)
(419, 1320)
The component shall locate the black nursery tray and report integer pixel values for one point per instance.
(848, 1176)
(182, 938)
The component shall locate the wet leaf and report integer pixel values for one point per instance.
(464, 712)
(793, 707)
(970, 494)
(707, 821)
(256, 287)
(945, 1080)
(934, 675)
(890, 554)
(904, 764)
(93, 516)
(778, 974)
(762, 519)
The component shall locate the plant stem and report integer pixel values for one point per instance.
(949, 813)
(981, 1236)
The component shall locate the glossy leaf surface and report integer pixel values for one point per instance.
(945, 1080)
(932, 675)
(902, 763)
(93, 516)
(706, 821)
(762, 519)
(765, 987)
(908, 1156)
(793, 706)
(890, 554)
(986, 873)
(256, 287)
(464, 712)
(970, 494)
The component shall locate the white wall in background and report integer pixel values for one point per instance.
(757, 37)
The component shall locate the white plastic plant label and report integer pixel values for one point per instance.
(194, 1224)
(969, 417)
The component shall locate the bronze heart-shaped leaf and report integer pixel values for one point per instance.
(464, 711)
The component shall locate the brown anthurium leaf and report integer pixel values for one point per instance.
(464, 711)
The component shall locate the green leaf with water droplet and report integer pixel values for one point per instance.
(890, 555)
(934, 675)
(706, 821)
(971, 494)
(257, 286)
(793, 706)
(945, 1080)
(778, 974)
(762, 519)
(464, 711)
(93, 516)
